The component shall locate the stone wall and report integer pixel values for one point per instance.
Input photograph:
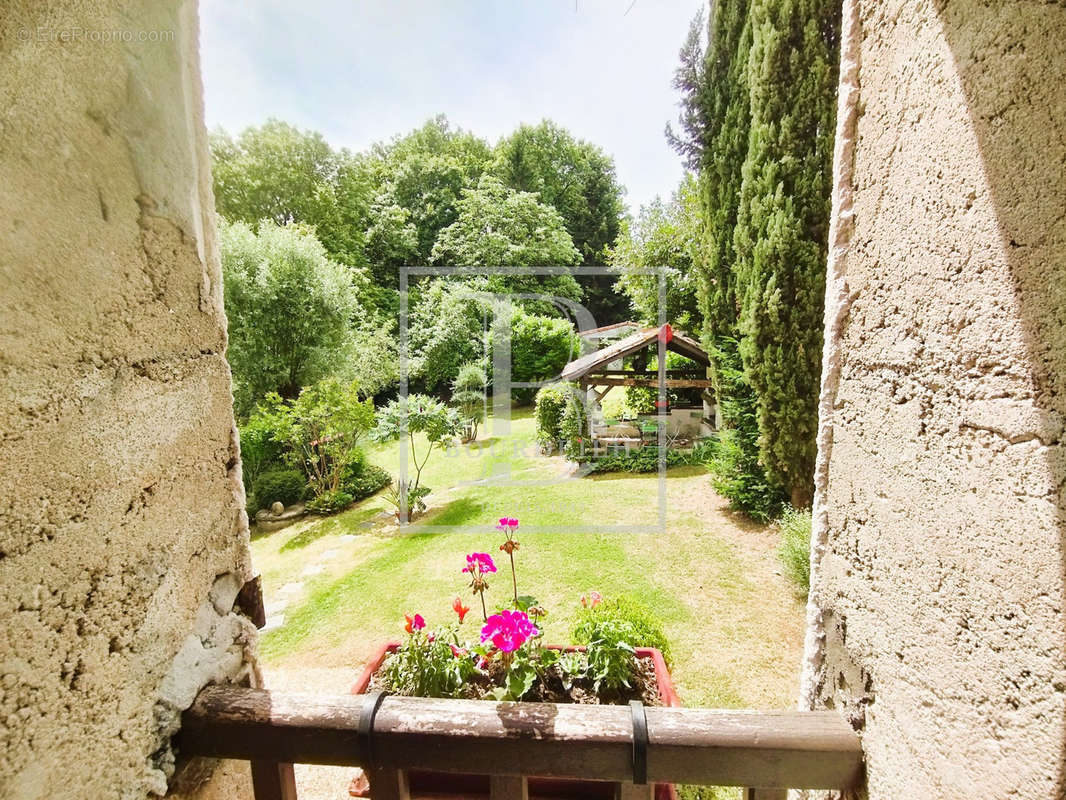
(122, 536)
(936, 620)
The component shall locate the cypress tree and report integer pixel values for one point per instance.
(782, 227)
(715, 117)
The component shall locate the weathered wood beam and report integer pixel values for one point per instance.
(508, 787)
(670, 373)
(273, 781)
(671, 383)
(793, 749)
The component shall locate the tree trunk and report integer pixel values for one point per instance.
(802, 496)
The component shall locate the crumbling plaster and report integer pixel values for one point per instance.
(936, 614)
(122, 536)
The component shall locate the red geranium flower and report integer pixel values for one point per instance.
(459, 608)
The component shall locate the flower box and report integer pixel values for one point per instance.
(439, 785)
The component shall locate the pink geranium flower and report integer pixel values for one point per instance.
(508, 524)
(479, 562)
(508, 630)
(414, 623)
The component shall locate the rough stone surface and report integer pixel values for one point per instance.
(122, 539)
(937, 601)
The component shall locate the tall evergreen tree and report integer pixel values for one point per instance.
(782, 227)
(713, 139)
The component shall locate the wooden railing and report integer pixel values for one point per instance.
(768, 751)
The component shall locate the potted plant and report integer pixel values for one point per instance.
(504, 658)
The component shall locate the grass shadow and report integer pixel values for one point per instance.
(465, 510)
(345, 522)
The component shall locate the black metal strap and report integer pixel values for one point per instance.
(640, 743)
(365, 731)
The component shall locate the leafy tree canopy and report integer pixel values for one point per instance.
(577, 179)
(497, 226)
(289, 308)
(663, 235)
(419, 179)
(573, 176)
(279, 173)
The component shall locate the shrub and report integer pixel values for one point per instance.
(321, 429)
(645, 459)
(330, 501)
(364, 479)
(639, 626)
(737, 476)
(548, 413)
(426, 666)
(287, 486)
(260, 449)
(795, 548)
(572, 428)
(641, 399)
(540, 348)
(408, 498)
(468, 397)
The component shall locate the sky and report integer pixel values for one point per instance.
(361, 71)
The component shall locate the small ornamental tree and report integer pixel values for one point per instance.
(468, 398)
(408, 417)
(321, 430)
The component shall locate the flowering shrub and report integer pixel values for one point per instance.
(506, 660)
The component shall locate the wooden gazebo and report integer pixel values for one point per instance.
(594, 369)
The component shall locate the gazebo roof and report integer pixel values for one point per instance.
(642, 339)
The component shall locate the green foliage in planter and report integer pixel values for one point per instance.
(610, 657)
(329, 502)
(548, 413)
(795, 548)
(628, 617)
(287, 486)
(425, 667)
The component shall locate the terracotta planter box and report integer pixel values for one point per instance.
(448, 785)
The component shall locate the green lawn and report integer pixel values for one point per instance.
(733, 622)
